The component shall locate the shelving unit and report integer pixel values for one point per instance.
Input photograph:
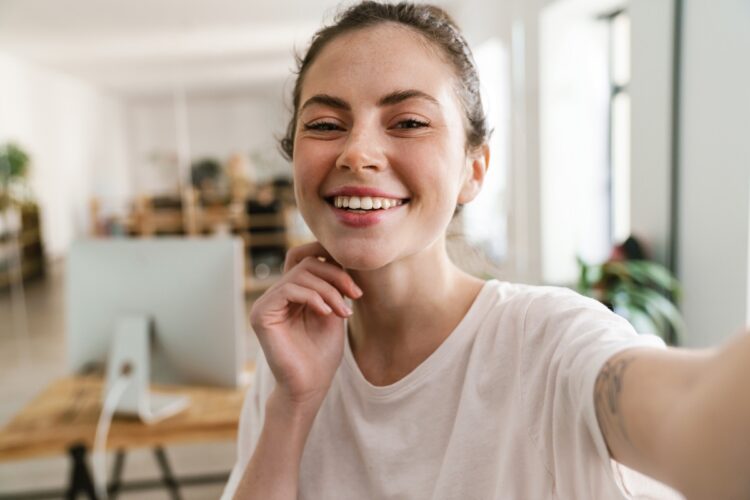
(267, 229)
(21, 247)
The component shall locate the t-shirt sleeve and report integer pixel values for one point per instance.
(251, 421)
(567, 340)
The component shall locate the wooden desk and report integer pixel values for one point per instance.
(63, 418)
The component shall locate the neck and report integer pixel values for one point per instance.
(409, 307)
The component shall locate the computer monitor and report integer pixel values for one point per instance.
(191, 291)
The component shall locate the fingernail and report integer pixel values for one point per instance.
(357, 292)
(321, 259)
(327, 309)
(348, 311)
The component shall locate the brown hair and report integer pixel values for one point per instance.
(435, 25)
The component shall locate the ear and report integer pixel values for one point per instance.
(477, 164)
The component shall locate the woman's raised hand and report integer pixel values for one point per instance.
(299, 322)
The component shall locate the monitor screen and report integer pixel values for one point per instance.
(191, 290)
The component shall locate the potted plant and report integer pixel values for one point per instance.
(642, 291)
(207, 176)
(14, 163)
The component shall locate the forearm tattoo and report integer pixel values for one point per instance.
(607, 393)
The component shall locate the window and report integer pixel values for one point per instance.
(574, 97)
(619, 125)
(485, 219)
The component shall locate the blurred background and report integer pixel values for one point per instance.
(621, 134)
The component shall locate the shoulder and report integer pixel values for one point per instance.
(525, 293)
(552, 314)
(549, 299)
(541, 303)
(560, 310)
(522, 317)
(558, 320)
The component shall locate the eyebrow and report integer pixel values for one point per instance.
(387, 100)
(403, 95)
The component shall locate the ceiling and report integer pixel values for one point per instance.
(151, 47)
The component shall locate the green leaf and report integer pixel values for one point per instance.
(662, 305)
(13, 162)
(653, 274)
(640, 290)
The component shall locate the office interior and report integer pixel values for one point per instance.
(150, 121)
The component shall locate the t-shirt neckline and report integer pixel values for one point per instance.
(449, 346)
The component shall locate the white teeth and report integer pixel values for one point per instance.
(365, 202)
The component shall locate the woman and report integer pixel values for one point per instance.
(387, 372)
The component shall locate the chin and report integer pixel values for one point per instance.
(351, 258)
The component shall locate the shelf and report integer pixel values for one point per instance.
(29, 255)
(265, 239)
(8, 276)
(255, 285)
(26, 238)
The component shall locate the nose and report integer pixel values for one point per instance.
(362, 151)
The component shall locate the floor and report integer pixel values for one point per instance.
(29, 362)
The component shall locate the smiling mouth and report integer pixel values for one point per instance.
(365, 204)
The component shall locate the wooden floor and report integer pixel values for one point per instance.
(30, 362)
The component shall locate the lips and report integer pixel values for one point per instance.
(364, 200)
(364, 218)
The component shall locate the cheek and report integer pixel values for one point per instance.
(313, 151)
(430, 167)
(310, 164)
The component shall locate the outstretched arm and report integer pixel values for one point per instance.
(681, 416)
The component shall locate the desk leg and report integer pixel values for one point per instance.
(166, 473)
(80, 478)
(116, 484)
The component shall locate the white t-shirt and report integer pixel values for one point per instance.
(503, 409)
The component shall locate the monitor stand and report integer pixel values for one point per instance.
(130, 356)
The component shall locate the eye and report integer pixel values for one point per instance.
(322, 126)
(411, 123)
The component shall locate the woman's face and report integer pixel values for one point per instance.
(380, 125)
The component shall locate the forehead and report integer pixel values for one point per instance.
(376, 60)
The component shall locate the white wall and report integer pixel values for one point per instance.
(217, 126)
(76, 137)
(650, 88)
(715, 169)
(525, 224)
(485, 219)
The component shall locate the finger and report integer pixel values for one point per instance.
(331, 295)
(297, 254)
(298, 294)
(331, 273)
